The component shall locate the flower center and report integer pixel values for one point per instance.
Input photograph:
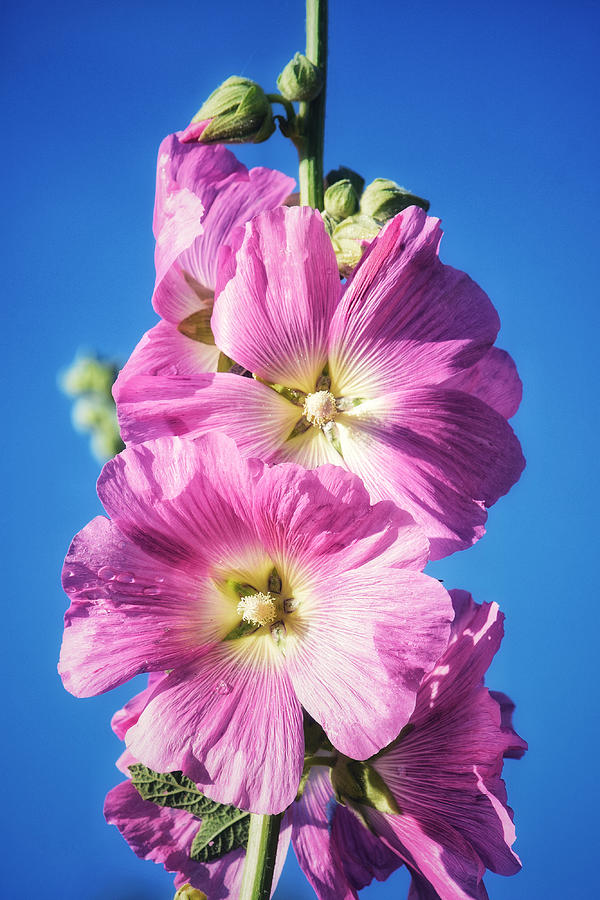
(257, 609)
(320, 408)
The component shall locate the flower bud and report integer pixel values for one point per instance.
(356, 180)
(87, 374)
(350, 238)
(383, 199)
(341, 200)
(187, 892)
(300, 80)
(238, 112)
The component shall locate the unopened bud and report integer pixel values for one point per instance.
(187, 892)
(350, 239)
(383, 199)
(356, 180)
(238, 112)
(341, 200)
(88, 374)
(300, 80)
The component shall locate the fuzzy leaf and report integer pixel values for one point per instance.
(221, 832)
(171, 789)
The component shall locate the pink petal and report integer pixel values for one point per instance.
(273, 316)
(311, 837)
(229, 700)
(442, 455)
(362, 854)
(255, 416)
(359, 665)
(129, 612)
(166, 351)
(124, 718)
(494, 379)
(405, 318)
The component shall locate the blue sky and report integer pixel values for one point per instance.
(488, 112)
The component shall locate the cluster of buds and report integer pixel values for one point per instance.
(89, 381)
(354, 215)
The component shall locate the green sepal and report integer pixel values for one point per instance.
(197, 326)
(220, 833)
(356, 782)
(224, 363)
(171, 789)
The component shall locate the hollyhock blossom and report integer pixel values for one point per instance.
(263, 591)
(445, 774)
(202, 194)
(393, 376)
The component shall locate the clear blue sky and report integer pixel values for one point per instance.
(489, 111)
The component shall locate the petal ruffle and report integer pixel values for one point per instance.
(405, 318)
(273, 315)
(494, 379)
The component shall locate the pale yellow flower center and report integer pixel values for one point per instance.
(320, 408)
(257, 609)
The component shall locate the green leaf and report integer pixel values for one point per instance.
(359, 782)
(171, 789)
(221, 832)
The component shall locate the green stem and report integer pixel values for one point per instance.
(289, 108)
(312, 114)
(260, 857)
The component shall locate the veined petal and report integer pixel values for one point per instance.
(311, 837)
(181, 223)
(440, 454)
(129, 612)
(255, 416)
(166, 351)
(494, 379)
(124, 718)
(385, 629)
(405, 318)
(233, 725)
(183, 502)
(273, 315)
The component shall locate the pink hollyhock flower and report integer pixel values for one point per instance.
(264, 591)
(202, 195)
(445, 774)
(393, 376)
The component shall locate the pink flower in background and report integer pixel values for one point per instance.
(393, 376)
(202, 194)
(445, 774)
(265, 591)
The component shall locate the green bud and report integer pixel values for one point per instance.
(343, 173)
(350, 238)
(300, 80)
(383, 199)
(238, 113)
(341, 200)
(92, 411)
(187, 892)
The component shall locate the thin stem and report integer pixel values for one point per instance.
(289, 109)
(312, 114)
(260, 857)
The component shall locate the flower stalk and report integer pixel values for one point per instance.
(260, 857)
(311, 125)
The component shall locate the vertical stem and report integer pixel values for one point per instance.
(260, 857)
(312, 114)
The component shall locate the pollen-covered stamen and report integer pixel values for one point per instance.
(320, 408)
(258, 609)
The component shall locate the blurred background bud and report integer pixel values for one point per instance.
(300, 80)
(341, 200)
(238, 112)
(89, 379)
(383, 199)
